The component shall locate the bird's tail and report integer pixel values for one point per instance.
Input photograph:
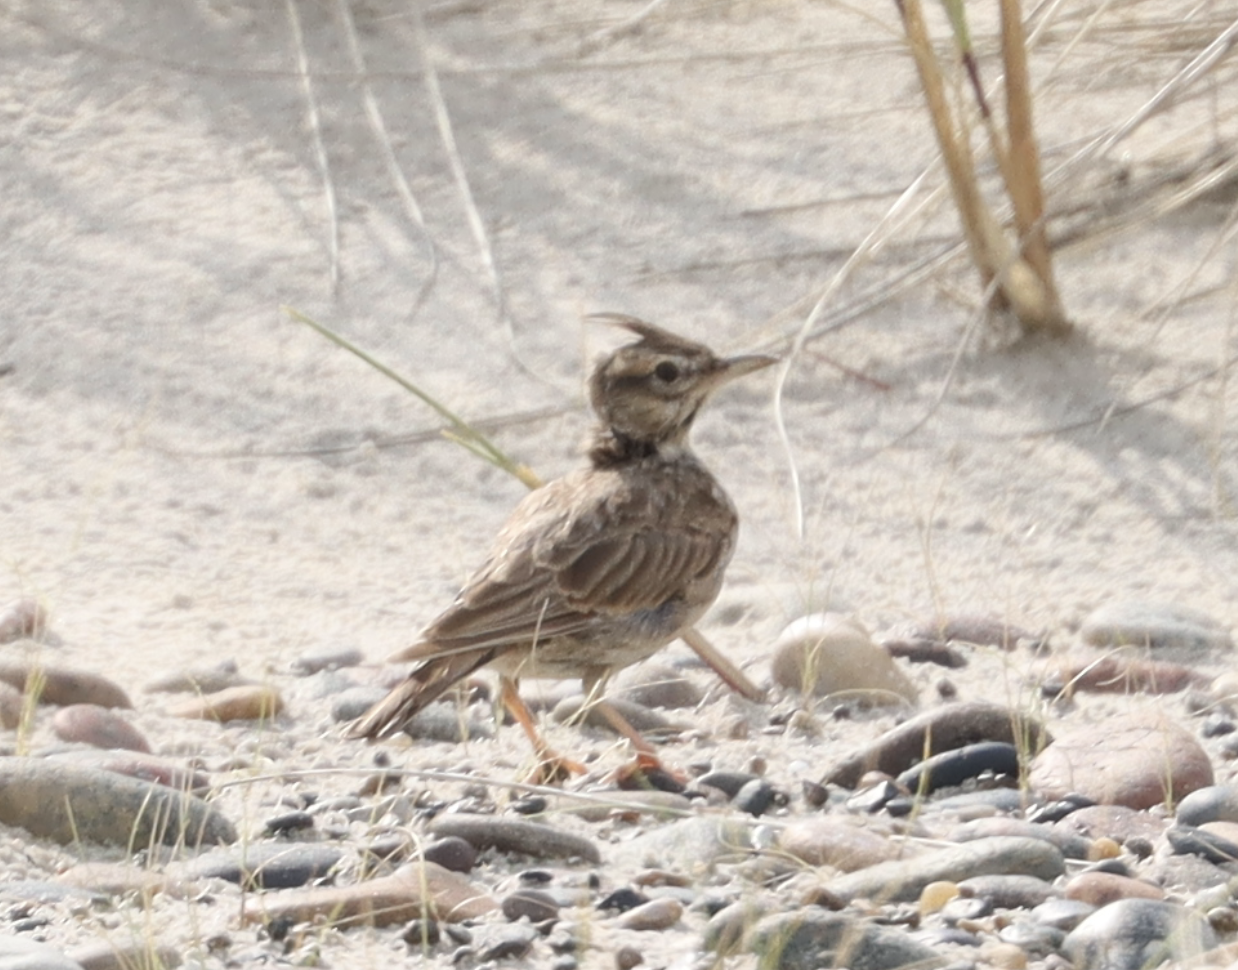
(427, 682)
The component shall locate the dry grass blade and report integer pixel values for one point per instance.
(379, 128)
(457, 430)
(320, 151)
(1016, 279)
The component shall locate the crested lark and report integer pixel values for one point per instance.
(604, 567)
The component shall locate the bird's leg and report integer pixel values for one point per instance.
(648, 767)
(552, 767)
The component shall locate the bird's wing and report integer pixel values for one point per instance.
(560, 565)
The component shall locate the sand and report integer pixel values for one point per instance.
(191, 475)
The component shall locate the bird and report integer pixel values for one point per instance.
(599, 569)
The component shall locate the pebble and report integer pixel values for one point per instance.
(694, 846)
(98, 727)
(509, 942)
(135, 764)
(627, 957)
(943, 728)
(838, 842)
(451, 852)
(654, 684)
(63, 686)
(266, 865)
(1102, 888)
(1212, 803)
(288, 822)
(536, 905)
(1133, 934)
(952, 768)
(404, 895)
(68, 803)
(332, 658)
(421, 933)
(1206, 844)
(758, 797)
(1158, 626)
(1072, 846)
(1119, 674)
(935, 896)
(508, 834)
(808, 939)
(1113, 821)
(22, 619)
(1064, 914)
(201, 680)
(1009, 892)
(657, 914)
(248, 702)
(980, 629)
(1138, 760)
(902, 880)
(824, 654)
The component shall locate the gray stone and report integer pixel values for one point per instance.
(901, 880)
(811, 938)
(69, 803)
(515, 835)
(1157, 626)
(1215, 803)
(693, 846)
(1132, 934)
(267, 865)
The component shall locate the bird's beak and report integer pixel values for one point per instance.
(734, 367)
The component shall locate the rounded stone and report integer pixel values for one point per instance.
(452, 853)
(826, 654)
(657, 914)
(100, 727)
(1138, 760)
(1131, 934)
(535, 904)
(1102, 888)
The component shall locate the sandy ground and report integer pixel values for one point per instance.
(189, 475)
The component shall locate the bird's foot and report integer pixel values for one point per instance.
(646, 772)
(553, 768)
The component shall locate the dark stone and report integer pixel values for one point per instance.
(623, 899)
(535, 904)
(515, 835)
(940, 729)
(1132, 934)
(808, 939)
(757, 797)
(729, 782)
(510, 942)
(289, 822)
(452, 852)
(421, 932)
(951, 768)
(266, 865)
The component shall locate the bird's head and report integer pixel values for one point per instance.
(648, 393)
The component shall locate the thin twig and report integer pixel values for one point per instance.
(870, 244)
(379, 128)
(458, 429)
(607, 35)
(320, 151)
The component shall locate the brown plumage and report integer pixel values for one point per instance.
(604, 567)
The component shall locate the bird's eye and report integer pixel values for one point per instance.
(667, 372)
